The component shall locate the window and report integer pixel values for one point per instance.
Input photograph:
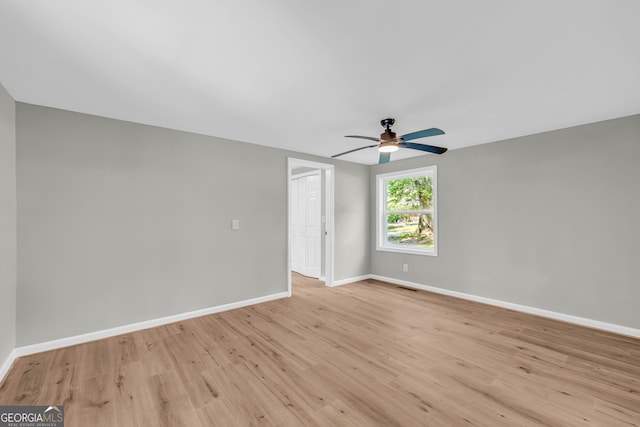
(407, 211)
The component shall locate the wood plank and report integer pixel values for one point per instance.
(368, 353)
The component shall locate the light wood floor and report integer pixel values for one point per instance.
(363, 354)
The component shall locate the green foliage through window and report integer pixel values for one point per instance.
(409, 211)
(409, 194)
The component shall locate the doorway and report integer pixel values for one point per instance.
(310, 219)
(307, 223)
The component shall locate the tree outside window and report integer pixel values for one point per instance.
(406, 203)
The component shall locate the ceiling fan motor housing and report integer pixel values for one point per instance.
(388, 136)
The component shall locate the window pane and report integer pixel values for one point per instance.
(409, 194)
(410, 230)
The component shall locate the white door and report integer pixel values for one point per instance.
(306, 225)
(312, 226)
(297, 226)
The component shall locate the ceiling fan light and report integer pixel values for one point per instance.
(387, 148)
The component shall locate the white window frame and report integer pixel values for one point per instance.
(382, 211)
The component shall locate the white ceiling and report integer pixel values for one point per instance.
(299, 75)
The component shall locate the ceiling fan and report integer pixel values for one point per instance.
(389, 142)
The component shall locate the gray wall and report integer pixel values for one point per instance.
(548, 221)
(352, 216)
(120, 222)
(8, 247)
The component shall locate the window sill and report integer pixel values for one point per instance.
(427, 252)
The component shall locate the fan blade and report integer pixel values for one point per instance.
(422, 134)
(423, 147)
(384, 158)
(351, 151)
(363, 137)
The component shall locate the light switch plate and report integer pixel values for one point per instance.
(235, 224)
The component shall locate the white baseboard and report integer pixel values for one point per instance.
(106, 333)
(7, 364)
(351, 280)
(582, 321)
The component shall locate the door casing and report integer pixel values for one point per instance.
(294, 163)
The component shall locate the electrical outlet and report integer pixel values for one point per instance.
(405, 267)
